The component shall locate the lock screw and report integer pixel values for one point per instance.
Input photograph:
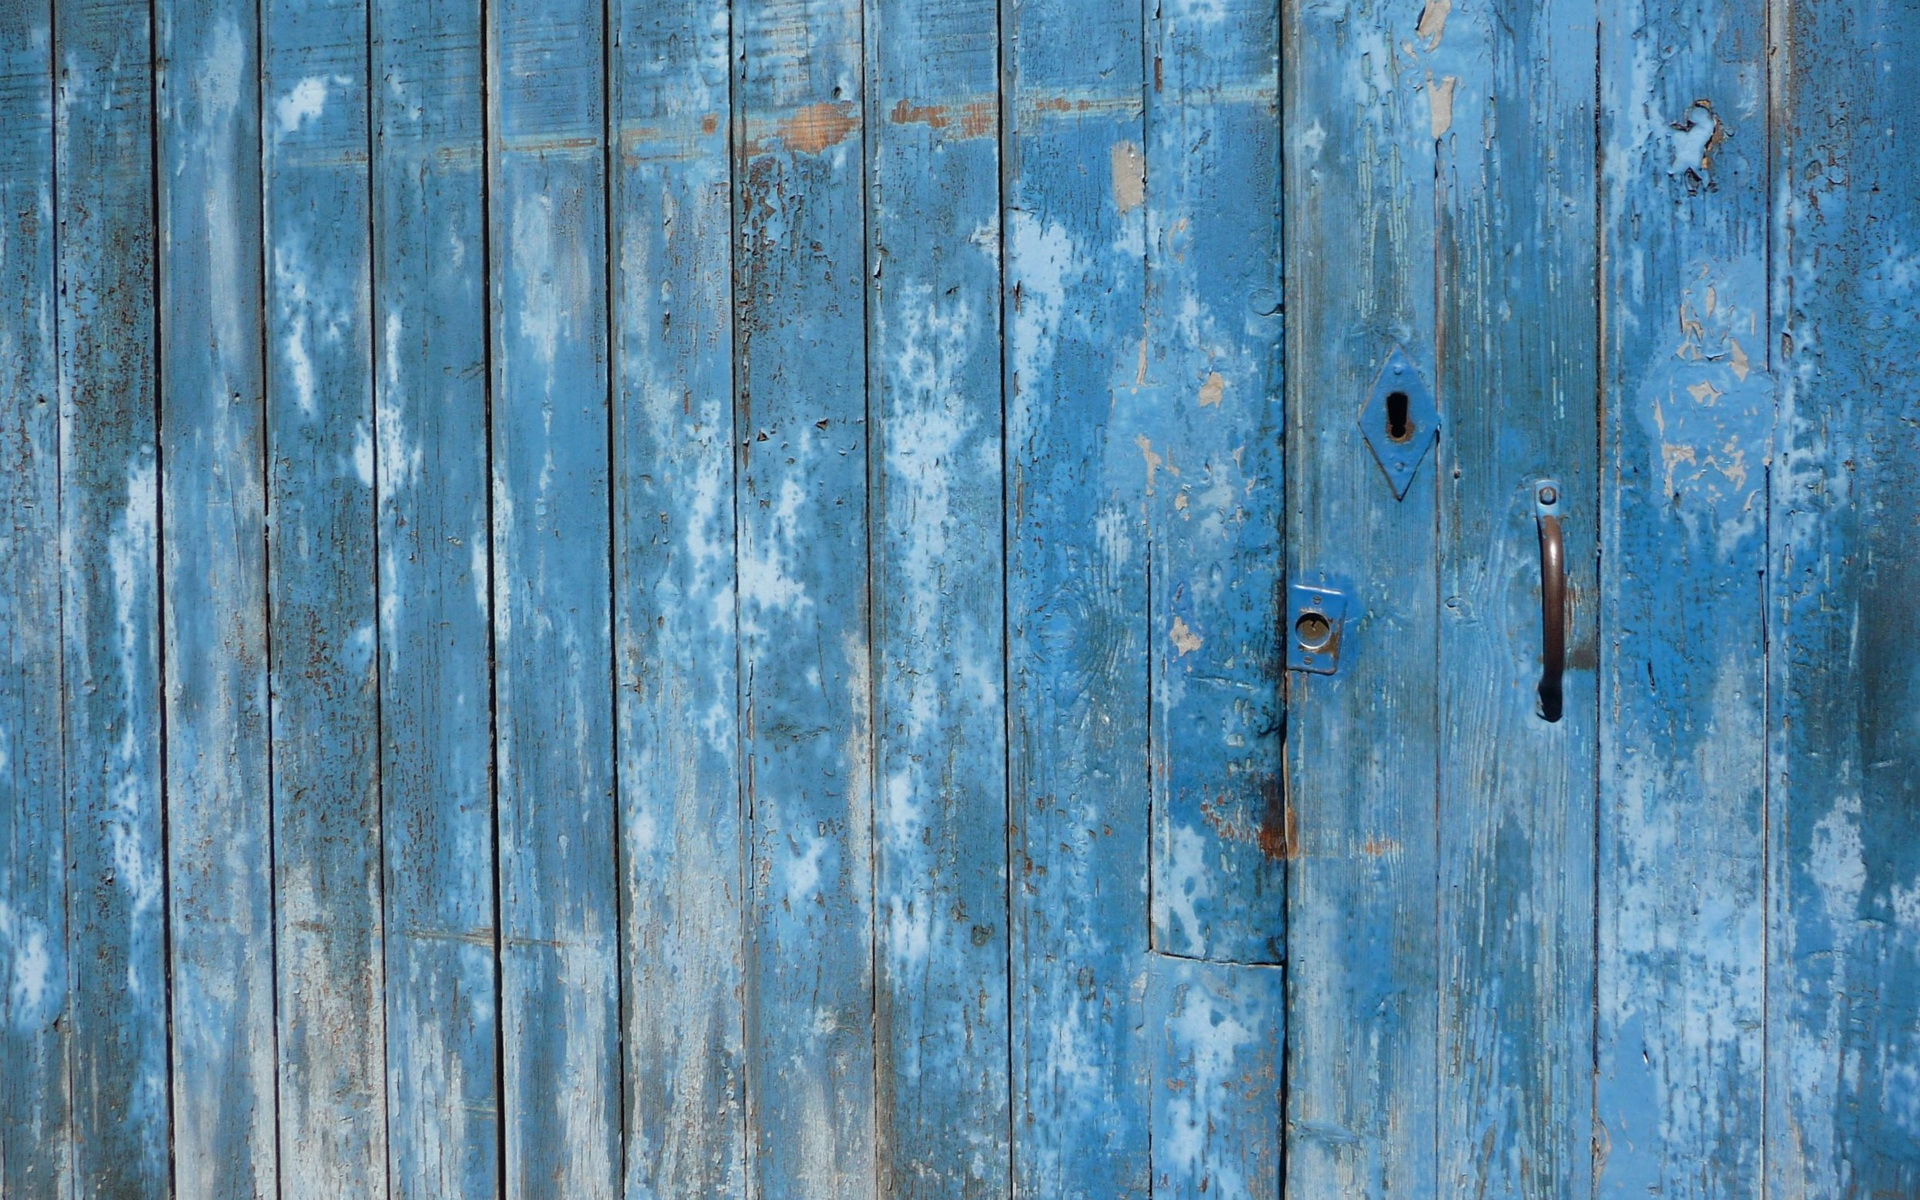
(1549, 495)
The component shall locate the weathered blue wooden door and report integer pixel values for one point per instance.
(682, 598)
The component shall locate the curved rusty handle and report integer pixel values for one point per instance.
(1553, 597)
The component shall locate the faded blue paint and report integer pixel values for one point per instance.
(1215, 1102)
(213, 444)
(802, 481)
(1843, 942)
(806, 674)
(328, 950)
(1516, 274)
(681, 819)
(1362, 949)
(553, 592)
(430, 477)
(1211, 440)
(109, 605)
(35, 1030)
(1683, 509)
(934, 388)
(1077, 595)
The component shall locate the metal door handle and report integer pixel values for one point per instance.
(1553, 597)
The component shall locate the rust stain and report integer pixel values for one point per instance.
(818, 126)
(1279, 827)
(974, 119)
(811, 129)
(1379, 846)
(932, 115)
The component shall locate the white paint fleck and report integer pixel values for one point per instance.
(1691, 141)
(1185, 882)
(305, 101)
(1213, 1037)
(363, 453)
(1837, 862)
(32, 994)
(803, 869)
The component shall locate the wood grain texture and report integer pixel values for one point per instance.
(682, 832)
(325, 722)
(1213, 437)
(1363, 949)
(552, 586)
(110, 599)
(1216, 1104)
(806, 673)
(431, 477)
(933, 365)
(1843, 1040)
(1077, 595)
(1517, 265)
(1688, 411)
(213, 446)
(35, 1033)
(1210, 182)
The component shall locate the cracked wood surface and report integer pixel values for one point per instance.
(677, 598)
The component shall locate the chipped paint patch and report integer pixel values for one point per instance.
(1440, 103)
(1213, 390)
(1129, 170)
(1433, 22)
(1184, 638)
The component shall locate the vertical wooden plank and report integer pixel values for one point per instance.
(1216, 1103)
(933, 187)
(681, 827)
(1212, 424)
(1683, 505)
(1361, 758)
(430, 468)
(1214, 508)
(1844, 812)
(326, 787)
(1513, 109)
(219, 814)
(34, 1030)
(110, 597)
(1077, 594)
(553, 594)
(800, 424)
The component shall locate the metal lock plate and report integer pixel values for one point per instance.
(1316, 621)
(1400, 420)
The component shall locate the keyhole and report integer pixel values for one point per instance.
(1399, 429)
(1313, 629)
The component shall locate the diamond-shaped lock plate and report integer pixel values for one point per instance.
(1400, 420)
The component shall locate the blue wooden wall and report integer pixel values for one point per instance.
(673, 598)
